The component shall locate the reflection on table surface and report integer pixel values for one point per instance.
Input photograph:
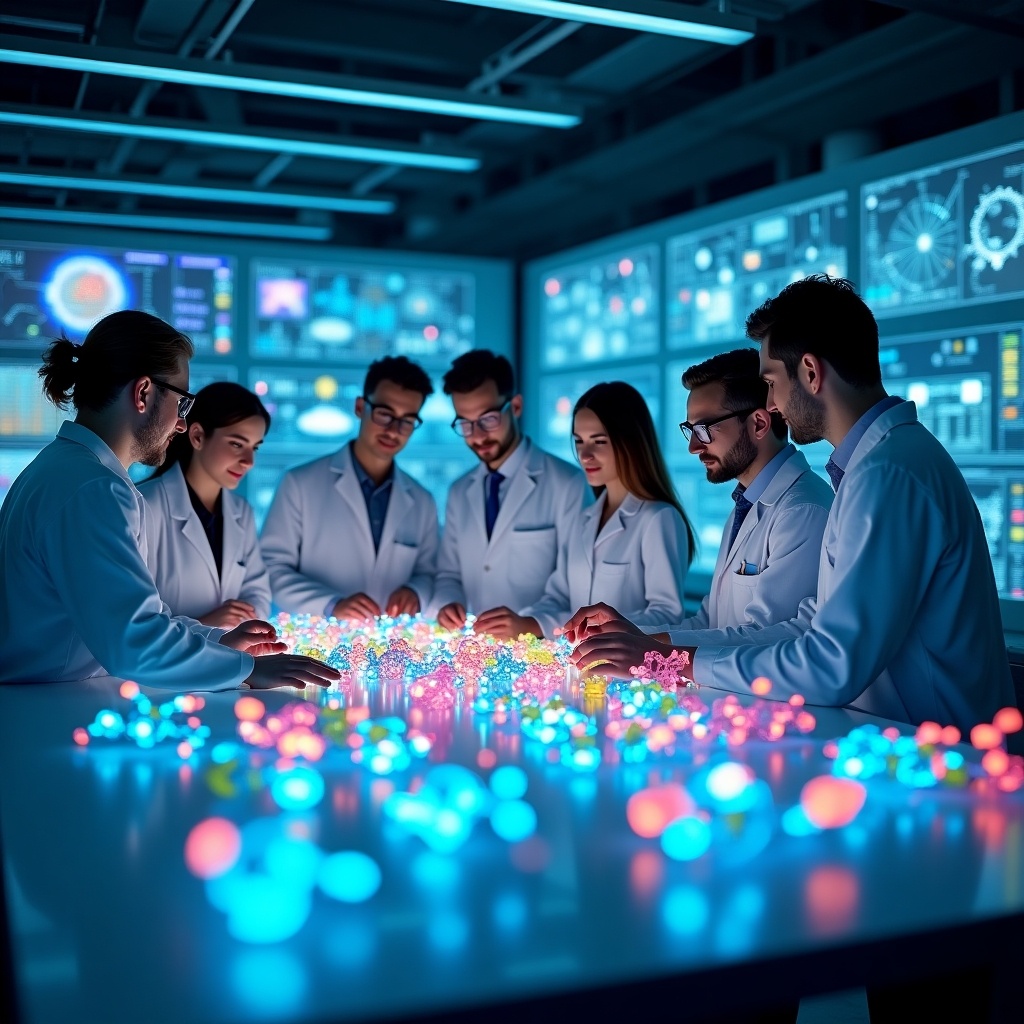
(109, 924)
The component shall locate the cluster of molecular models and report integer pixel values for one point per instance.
(681, 761)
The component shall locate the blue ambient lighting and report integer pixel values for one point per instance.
(349, 876)
(339, 204)
(255, 229)
(686, 838)
(658, 18)
(508, 782)
(264, 143)
(298, 788)
(367, 97)
(514, 820)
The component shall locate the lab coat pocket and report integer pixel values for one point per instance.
(532, 554)
(612, 568)
(403, 553)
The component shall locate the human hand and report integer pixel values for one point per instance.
(404, 601)
(229, 614)
(356, 607)
(452, 616)
(290, 670)
(254, 637)
(614, 654)
(596, 619)
(504, 624)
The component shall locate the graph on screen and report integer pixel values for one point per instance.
(718, 275)
(606, 308)
(945, 235)
(314, 312)
(46, 290)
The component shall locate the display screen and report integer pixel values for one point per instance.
(315, 312)
(720, 274)
(606, 308)
(946, 235)
(46, 290)
(967, 389)
(24, 411)
(12, 462)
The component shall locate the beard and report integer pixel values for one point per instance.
(504, 446)
(151, 442)
(805, 415)
(734, 462)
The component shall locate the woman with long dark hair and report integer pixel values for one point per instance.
(202, 546)
(634, 545)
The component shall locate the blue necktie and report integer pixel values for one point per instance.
(742, 508)
(492, 505)
(835, 474)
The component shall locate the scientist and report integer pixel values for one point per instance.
(202, 549)
(78, 597)
(352, 535)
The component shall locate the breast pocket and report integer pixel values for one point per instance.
(532, 554)
(403, 553)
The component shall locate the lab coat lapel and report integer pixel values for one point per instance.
(617, 522)
(520, 489)
(400, 508)
(187, 521)
(233, 553)
(591, 520)
(347, 485)
(477, 498)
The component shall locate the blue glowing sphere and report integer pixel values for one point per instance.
(349, 876)
(686, 838)
(508, 783)
(514, 820)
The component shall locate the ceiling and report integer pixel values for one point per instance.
(666, 125)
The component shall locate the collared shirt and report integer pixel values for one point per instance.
(212, 522)
(508, 469)
(767, 474)
(845, 449)
(376, 496)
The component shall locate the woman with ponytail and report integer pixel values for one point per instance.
(633, 546)
(203, 550)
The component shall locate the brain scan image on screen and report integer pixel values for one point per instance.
(945, 235)
(558, 394)
(49, 290)
(718, 275)
(606, 308)
(12, 462)
(316, 312)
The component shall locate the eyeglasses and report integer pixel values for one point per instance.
(185, 398)
(702, 431)
(383, 417)
(490, 420)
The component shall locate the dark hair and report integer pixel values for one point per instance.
(217, 405)
(474, 369)
(119, 349)
(739, 373)
(399, 370)
(627, 421)
(823, 316)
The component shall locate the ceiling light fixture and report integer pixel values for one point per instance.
(203, 193)
(284, 82)
(665, 19)
(369, 152)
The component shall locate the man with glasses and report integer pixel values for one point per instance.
(78, 598)
(506, 519)
(351, 535)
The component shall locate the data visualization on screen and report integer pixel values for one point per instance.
(24, 411)
(718, 275)
(313, 312)
(967, 390)
(12, 462)
(945, 235)
(605, 308)
(49, 290)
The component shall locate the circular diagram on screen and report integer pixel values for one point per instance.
(83, 289)
(921, 248)
(997, 226)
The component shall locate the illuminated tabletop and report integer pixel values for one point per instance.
(108, 924)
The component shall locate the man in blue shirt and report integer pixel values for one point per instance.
(906, 622)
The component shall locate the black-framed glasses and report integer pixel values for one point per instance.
(185, 398)
(384, 417)
(490, 420)
(702, 431)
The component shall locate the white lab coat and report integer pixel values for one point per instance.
(637, 563)
(318, 545)
(512, 567)
(780, 538)
(906, 622)
(180, 557)
(78, 598)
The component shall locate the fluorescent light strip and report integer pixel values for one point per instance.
(423, 103)
(263, 143)
(302, 232)
(338, 204)
(658, 18)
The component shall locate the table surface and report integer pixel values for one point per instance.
(108, 925)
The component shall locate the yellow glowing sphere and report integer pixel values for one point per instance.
(325, 388)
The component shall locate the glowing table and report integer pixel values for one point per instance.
(107, 925)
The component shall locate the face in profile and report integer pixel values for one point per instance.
(162, 421)
(802, 411)
(594, 449)
(731, 449)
